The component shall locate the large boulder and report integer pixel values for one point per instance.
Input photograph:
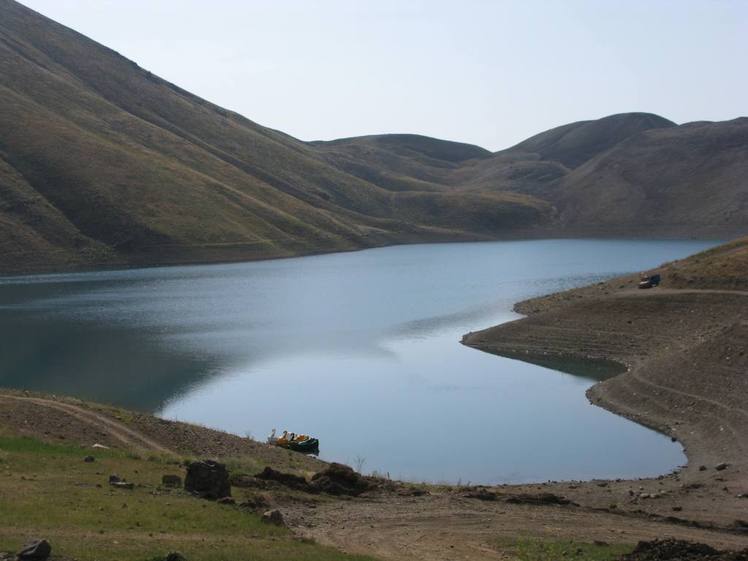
(288, 479)
(207, 479)
(38, 550)
(339, 479)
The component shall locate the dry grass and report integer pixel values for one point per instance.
(46, 490)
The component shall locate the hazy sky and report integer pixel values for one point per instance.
(485, 72)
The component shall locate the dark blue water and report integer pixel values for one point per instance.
(360, 349)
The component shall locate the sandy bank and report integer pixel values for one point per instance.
(687, 375)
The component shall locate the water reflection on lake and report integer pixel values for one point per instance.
(360, 349)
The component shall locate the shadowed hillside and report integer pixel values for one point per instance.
(103, 163)
(690, 178)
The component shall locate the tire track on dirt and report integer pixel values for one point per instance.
(117, 430)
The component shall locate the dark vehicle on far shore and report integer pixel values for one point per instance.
(649, 281)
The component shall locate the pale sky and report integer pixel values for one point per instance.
(486, 72)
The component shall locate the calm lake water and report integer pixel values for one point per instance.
(360, 349)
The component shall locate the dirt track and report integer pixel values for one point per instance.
(448, 526)
(115, 430)
(73, 420)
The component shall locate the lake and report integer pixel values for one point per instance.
(359, 349)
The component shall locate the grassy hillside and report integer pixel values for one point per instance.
(722, 268)
(103, 163)
(48, 490)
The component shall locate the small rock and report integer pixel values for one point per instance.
(114, 478)
(481, 495)
(722, 466)
(339, 479)
(677, 508)
(226, 501)
(413, 492)
(288, 479)
(256, 502)
(539, 499)
(273, 517)
(123, 485)
(175, 556)
(247, 481)
(38, 550)
(171, 481)
(702, 468)
(89, 459)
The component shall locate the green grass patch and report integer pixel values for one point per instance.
(47, 490)
(538, 549)
(23, 444)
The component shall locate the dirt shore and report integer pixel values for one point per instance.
(686, 359)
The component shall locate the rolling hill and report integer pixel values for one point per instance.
(688, 179)
(103, 163)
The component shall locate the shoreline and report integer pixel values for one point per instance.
(517, 339)
(684, 346)
(685, 357)
(125, 265)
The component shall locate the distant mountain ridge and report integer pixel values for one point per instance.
(103, 163)
(576, 143)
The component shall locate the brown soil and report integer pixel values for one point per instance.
(447, 526)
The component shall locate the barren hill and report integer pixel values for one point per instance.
(576, 143)
(687, 178)
(103, 163)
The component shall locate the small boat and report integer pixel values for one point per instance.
(298, 443)
(308, 446)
